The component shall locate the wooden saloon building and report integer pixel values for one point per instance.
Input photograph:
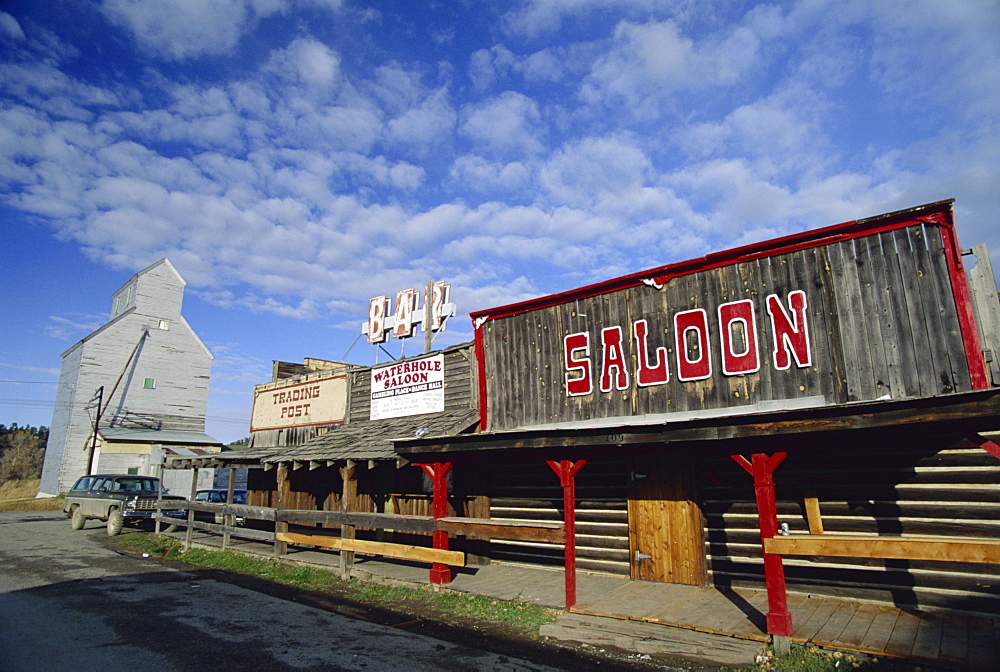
(810, 415)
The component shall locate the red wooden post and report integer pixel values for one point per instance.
(566, 471)
(438, 473)
(761, 467)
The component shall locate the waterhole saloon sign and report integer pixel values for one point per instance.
(408, 388)
(874, 309)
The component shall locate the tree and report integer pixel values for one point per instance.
(22, 451)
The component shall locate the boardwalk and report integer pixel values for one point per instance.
(943, 638)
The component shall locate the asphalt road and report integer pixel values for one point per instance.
(67, 602)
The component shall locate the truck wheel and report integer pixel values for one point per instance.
(77, 519)
(115, 523)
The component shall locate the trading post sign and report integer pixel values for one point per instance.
(321, 401)
(862, 311)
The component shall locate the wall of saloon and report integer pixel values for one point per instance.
(526, 489)
(884, 486)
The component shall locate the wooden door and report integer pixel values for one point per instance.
(665, 521)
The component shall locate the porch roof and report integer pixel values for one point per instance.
(373, 440)
(964, 413)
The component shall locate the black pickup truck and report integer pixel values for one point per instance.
(118, 499)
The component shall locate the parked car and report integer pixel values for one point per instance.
(218, 496)
(118, 499)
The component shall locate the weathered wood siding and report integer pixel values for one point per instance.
(528, 490)
(882, 323)
(888, 486)
(983, 285)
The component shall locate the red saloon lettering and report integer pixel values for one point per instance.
(739, 348)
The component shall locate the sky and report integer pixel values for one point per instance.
(295, 158)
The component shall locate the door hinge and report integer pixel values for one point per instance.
(641, 556)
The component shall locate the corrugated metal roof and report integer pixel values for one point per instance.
(166, 437)
(372, 440)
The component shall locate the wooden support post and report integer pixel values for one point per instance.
(813, 516)
(566, 471)
(280, 547)
(159, 497)
(229, 520)
(348, 502)
(779, 619)
(190, 516)
(438, 473)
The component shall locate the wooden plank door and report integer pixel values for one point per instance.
(665, 521)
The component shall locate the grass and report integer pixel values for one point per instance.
(805, 659)
(19, 495)
(443, 605)
(812, 659)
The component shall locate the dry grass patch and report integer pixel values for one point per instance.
(19, 495)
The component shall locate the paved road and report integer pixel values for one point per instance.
(67, 602)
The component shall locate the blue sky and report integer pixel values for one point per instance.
(294, 158)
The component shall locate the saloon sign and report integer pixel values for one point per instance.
(737, 343)
(408, 388)
(875, 309)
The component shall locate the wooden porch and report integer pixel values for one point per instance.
(941, 638)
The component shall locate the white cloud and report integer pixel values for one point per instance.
(508, 124)
(10, 28)
(485, 176)
(649, 63)
(181, 29)
(72, 326)
(424, 125)
(536, 17)
(586, 172)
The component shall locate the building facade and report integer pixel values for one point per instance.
(133, 390)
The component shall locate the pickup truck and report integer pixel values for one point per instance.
(118, 499)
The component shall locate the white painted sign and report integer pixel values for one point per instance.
(316, 402)
(408, 388)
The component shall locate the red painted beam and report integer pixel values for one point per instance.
(438, 473)
(566, 471)
(990, 447)
(761, 467)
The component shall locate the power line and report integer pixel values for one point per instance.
(31, 382)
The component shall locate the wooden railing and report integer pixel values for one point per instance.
(820, 543)
(472, 528)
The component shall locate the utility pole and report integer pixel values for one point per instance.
(99, 396)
